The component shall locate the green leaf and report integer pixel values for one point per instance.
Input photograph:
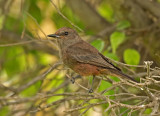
(106, 11)
(117, 38)
(131, 56)
(99, 44)
(123, 25)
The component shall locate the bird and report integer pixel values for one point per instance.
(82, 57)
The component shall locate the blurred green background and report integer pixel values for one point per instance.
(123, 30)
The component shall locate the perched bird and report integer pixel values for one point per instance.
(82, 57)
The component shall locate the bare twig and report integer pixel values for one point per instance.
(65, 17)
(41, 77)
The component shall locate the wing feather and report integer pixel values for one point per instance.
(89, 54)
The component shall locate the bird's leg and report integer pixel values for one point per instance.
(91, 89)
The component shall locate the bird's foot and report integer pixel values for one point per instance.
(73, 80)
(90, 90)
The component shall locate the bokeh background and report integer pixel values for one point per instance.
(33, 82)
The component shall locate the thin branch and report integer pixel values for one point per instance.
(65, 17)
(38, 78)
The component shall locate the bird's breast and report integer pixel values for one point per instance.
(83, 69)
(68, 60)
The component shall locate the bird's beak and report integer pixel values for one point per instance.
(53, 35)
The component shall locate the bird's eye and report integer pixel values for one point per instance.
(66, 33)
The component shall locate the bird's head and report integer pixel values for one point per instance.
(66, 36)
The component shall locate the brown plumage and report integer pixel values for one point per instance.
(83, 58)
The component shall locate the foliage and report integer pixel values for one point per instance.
(117, 38)
(131, 56)
(33, 80)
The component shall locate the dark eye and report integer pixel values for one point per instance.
(66, 33)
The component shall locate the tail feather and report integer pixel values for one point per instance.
(121, 74)
(114, 72)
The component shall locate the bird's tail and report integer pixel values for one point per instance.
(117, 73)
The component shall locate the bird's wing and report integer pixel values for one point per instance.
(89, 54)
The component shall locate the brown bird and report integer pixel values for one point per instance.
(83, 58)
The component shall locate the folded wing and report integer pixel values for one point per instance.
(89, 54)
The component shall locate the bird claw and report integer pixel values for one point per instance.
(90, 90)
(73, 80)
